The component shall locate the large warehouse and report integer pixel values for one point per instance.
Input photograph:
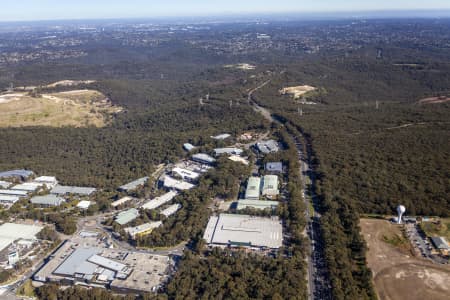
(244, 231)
(10, 232)
(253, 188)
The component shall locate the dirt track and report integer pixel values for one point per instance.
(397, 274)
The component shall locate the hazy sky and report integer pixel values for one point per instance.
(87, 9)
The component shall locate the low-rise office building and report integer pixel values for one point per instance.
(161, 200)
(229, 151)
(72, 190)
(270, 186)
(127, 216)
(203, 158)
(47, 200)
(274, 167)
(171, 210)
(133, 185)
(49, 181)
(256, 204)
(267, 147)
(253, 188)
(121, 201)
(143, 229)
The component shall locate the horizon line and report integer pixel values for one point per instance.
(317, 14)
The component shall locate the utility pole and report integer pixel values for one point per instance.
(376, 105)
(300, 111)
(231, 103)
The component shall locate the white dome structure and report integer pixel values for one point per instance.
(400, 210)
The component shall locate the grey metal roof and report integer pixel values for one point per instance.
(5, 184)
(188, 147)
(440, 243)
(253, 231)
(258, 204)
(253, 188)
(127, 216)
(229, 150)
(51, 200)
(270, 185)
(274, 167)
(268, 146)
(134, 184)
(202, 157)
(63, 190)
(77, 262)
(14, 193)
(16, 173)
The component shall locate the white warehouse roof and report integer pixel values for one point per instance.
(171, 209)
(172, 183)
(28, 186)
(10, 232)
(253, 188)
(230, 150)
(121, 201)
(14, 193)
(5, 184)
(84, 204)
(270, 185)
(244, 230)
(184, 173)
(158, 201)
(50, 200)
(203, 158)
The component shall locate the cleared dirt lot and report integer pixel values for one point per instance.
(397, 274)
(297, 91)
(78, 108)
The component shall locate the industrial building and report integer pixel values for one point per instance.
(133, 185)
(19, 174)
(6, 199)
(185, 174)
(267, 147)
(49, 181)
(143, 229)
(237, 158)
(47, 200)
(257, 204)
(127, 216)
(172, 183)
(171, 210)
(229, 151)
(121, 201)
(161, 200)
(72, 190)
(222, 136)
(121, 271)
(18, 193)
(203, 158)
(441, 244)
(253, 188)
(274, 167)
(5, 184)
(188, 147)
(28, 186)
(11, 232)
(270, 186)
(84, 204)
(228, 230)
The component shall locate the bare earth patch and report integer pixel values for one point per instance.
(242, 66)
(397, 273)
(297, 91)
(78, 108)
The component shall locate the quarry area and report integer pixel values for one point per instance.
(399, 272)
(77, 108)
(297, 91)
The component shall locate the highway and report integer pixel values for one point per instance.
(318, 284)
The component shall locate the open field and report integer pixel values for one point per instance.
(437, 229)
(297, 91)
(397, 274)
(78, 108)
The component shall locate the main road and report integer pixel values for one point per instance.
(317, 279)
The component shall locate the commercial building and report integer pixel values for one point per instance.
(244, 231)
(222, 136)
(172, 183)
(47, 200)
(257, 204)
(74, 190)
(84, 204)
(186, 174)
(127, 216)
(19, 174)
(267, 147)
(143, 229)
(49, 181)
(121, 201)
(274, 167)
(253, 188)
(158, 201)
(5, 184)
(203, 158)
(11, 232)
(171, 210)
(270, 186)
(229, 151)
(133, 185)
(28, 186)
(188, 147)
